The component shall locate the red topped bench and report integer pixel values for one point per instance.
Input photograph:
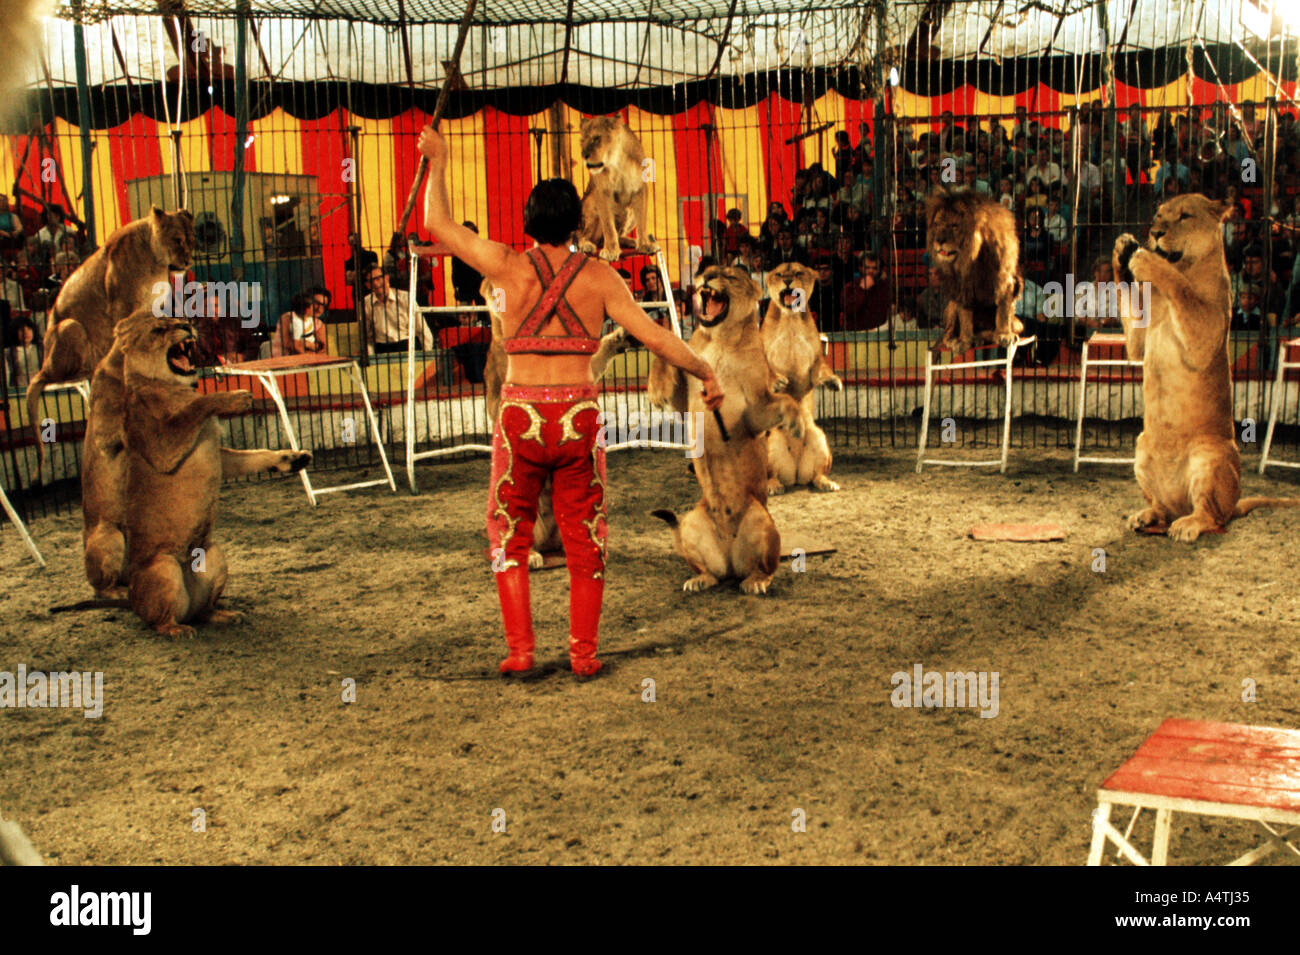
(1214, 769)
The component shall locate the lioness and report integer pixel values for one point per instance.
(615, 201)
(794, 351)
(174, 464)
(103, 462)
(730, 532)
(973, 247)
(117, 280)
(546, 533)
(1187, 464)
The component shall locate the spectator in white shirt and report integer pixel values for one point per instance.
(386, 312)
(1044, 169)
(1057, 225)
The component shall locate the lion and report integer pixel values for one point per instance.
(173, 467)
(117, 280)
(103, 491)
(1188, 465)
(794, 351)
(972, 244)
(615, 201)
(546, 532)
(730, 532)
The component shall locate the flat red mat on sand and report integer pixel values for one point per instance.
(1017, 532)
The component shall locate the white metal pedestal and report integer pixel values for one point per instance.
(1279, 390)
(1109, 339)
(269, 370)
(931, 370)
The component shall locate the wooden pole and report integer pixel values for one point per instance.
(453, 72)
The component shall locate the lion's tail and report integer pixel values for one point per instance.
(668, 517)
(99, 603)
(1248, 504)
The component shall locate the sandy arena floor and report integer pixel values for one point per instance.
(763, 705)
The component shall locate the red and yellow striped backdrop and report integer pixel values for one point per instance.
(495, 158)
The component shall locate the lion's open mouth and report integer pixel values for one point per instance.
(946, 253)
(1168, 256)
(716, 303)
(788, 296)
(181, 358)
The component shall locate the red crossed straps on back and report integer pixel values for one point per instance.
(575, 339)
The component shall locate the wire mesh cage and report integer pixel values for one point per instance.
(774, 132)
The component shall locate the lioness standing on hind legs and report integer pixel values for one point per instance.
(730, 532)
(117, 280)
(549, 423)
(1187, 464)
(794, 350)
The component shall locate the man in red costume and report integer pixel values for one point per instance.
(555, 301)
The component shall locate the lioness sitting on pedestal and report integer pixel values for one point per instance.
(173, 468)
(1187, 464)
(615, 201)
(116, 281)
(730, 532)
(794, 350)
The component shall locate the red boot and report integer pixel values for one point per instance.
(517, 615)
(585, 596)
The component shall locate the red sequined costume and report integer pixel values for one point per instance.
(549, 431)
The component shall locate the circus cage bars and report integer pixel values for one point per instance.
(289, 128)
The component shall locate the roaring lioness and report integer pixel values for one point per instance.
(103, 461)
(173, 468)
(730, 532)
(794, 350)
(546, 532)
(615, 201)
(116, 281)
(1187, 464)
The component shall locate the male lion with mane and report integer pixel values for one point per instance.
(973, 246)
(730, 532)
(1188, 465)
(615, 201)
(794, 350)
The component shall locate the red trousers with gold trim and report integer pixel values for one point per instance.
(548, 431)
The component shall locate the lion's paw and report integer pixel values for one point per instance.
(650, 247)
(225, 616)
(1008, 339)
(1187, 529)
(535, 560)
(176, 631)
(834, 382)
(587, 247)
(780, 384)
(1125, 246)
(610, 255)
(774, 487)
(1144, 518)
(755, 586)
(822, 483)
(700, 582)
